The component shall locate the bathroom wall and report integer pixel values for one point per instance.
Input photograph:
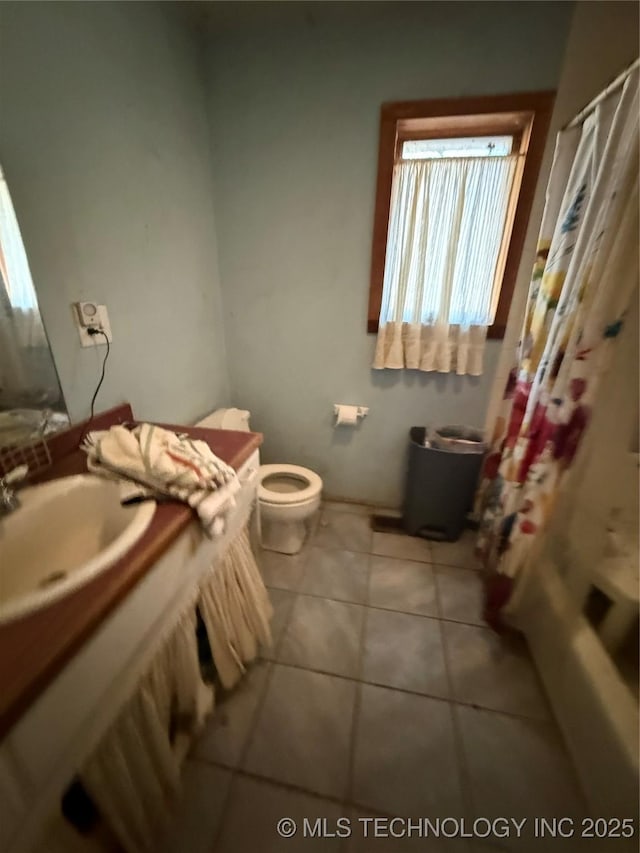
(104, 141)
(295, 97)
(602, 41)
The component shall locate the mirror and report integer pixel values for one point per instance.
(31, 400)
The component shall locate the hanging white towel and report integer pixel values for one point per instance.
(159, 462)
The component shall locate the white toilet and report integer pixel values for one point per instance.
(288, 495)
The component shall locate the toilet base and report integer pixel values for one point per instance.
(285, 537)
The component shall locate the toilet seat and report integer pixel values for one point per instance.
(311, 485)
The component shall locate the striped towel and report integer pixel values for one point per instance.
(158, 462)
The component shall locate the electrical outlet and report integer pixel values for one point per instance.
(90, 315)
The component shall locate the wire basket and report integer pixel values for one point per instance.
(35, 454)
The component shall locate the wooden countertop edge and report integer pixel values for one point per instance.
(112, 586)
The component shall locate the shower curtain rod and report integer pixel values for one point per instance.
(615, 84)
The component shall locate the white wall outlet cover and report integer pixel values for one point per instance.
(89, 315)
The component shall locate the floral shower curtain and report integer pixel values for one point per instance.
(585, 272)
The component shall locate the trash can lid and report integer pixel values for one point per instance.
(459, 438)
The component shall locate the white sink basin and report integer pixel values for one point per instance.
(64, 533)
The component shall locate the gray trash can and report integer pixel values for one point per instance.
(442, 474)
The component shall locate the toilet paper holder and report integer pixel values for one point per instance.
(349, 415)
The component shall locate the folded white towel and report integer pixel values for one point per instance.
(159, 462)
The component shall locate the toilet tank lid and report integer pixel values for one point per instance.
(237, 419)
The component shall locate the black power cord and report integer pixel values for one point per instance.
(92, 330)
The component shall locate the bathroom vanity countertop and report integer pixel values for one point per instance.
(34, 648)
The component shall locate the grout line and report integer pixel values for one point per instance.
(450, 699)
(358, 697)
(355, 719)
(380, 607)
(464, 776)
(428, 562)
(348, 803)
(256, 713)
(243, 753)
(274, 651)
(225, 805)
(435, 564)
(376, 508)
(439, 608)
(344, 803)
(427, 542)
(432, 564)
(310, 543)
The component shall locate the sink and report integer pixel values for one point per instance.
(64, 533)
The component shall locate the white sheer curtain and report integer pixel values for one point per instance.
(20, 323)
(18, 302)
(446, 223)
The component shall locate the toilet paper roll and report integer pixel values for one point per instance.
(346, 415)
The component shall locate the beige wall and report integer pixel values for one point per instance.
(296, 90)
(104, 140)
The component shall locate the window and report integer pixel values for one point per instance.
(456, 180)
(467, 146)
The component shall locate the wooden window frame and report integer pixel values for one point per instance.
(525, 116)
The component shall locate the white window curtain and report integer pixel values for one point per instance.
(18, 301)
(20, 323)
(446, 223)
(134, 773)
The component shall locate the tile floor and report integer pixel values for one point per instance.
(383, 695)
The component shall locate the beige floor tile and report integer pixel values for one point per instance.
(226, 733)
(493, 671)
(460, 594)
(404, 651)
(402, 585)
(280, 570)
(519, 768)
(343, 575)
(343, 530)
(303, 729)
(401, 547)
(197, 818)
(253, 812)
(458, 553)
(405, 757)
(282, 603)
(323, 634)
